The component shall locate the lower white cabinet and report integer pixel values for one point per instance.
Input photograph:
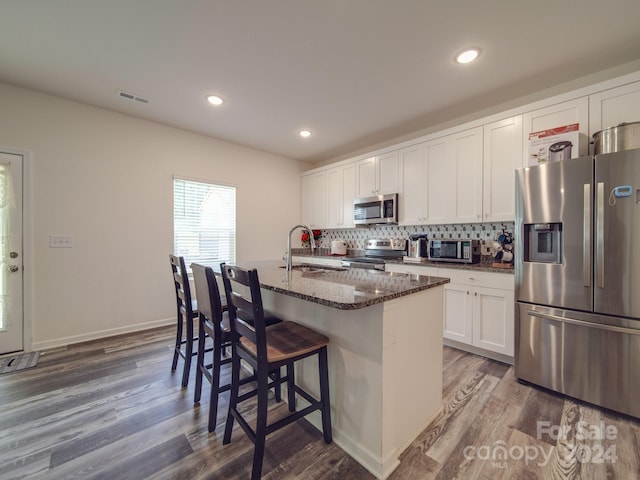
(478, 306)
(479, 310)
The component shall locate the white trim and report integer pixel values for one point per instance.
(27, 248)
(138, 327)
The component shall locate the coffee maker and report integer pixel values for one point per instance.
(417, 248)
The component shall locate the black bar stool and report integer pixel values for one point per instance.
(215, 323)
(186, 314)
(266, 350)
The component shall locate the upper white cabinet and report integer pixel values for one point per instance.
(378, 175)
(441, 177)
(454, 177)
(341, 193)
(614, 106)
(502, 156)
(314, 197)
(413, 171)
(558, 115)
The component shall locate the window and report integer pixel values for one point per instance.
(204, 222)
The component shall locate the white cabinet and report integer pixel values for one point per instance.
(454, 177)
(614, 106)
(341, 191)
(479, 309)
(416, 269)
(502, 156)
(558, 115)
(441, 177)
(314, 198)
(378, 175)
(413, 171)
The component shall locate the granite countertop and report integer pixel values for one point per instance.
(344, 289)
(485, 265)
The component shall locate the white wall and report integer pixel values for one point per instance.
(106, 179)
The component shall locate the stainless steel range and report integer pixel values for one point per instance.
(578, 278)
(376, 251)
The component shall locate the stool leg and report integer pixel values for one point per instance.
(176, 351)
(233, 397)
(215, 382)
(188, 353)
(199, 362)
(324, 395)
(261, 424)
(291, 394)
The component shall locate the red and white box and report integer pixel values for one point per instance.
(554, 144)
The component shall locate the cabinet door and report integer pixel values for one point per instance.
(441, 178)
(458, 313)
(413, 201)
(467, 155)
(502, 148)
(341, 191)
(314, 199)
(614, 106)
(493, 322)
(388, 170)
(366, 177)
(566, 113)
(335, 214)
(348, 194)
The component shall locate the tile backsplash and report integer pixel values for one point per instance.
(356, 237)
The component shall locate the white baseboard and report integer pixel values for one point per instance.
(64, 341)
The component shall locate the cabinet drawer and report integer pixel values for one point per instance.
(478, 279)
(412, 269)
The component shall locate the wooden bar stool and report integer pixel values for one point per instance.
(266, 350)
(186, 314)
(215, 323)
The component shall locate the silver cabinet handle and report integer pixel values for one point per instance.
(600, 326)
(600, 235)
(586, 237)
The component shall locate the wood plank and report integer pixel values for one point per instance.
(112, 408)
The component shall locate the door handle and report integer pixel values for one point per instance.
(14, 268)
(586, 237)
(600, 236)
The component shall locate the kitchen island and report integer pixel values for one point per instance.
(385, 351)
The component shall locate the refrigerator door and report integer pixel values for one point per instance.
(587, 356)
(553, 254)
(617, 249)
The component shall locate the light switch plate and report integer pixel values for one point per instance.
(60, 241)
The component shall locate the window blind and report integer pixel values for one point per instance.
(204, 222)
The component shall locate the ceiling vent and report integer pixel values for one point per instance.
(131, 96)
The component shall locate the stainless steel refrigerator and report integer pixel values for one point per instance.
(577, 269)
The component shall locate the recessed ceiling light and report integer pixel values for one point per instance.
(304, 133)
(468, 55)
(215, 100)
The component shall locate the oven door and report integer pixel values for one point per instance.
(444, 250)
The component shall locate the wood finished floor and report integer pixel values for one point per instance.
(111, 409)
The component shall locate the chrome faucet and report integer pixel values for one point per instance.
(311, 242)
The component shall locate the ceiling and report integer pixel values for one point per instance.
(355, 72)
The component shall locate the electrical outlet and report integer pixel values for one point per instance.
(60, 241)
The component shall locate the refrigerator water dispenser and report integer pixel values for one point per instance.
(543, 242)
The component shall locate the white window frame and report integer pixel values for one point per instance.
(204, 221)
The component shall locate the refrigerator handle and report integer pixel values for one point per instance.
(600, 235)
(586, 236)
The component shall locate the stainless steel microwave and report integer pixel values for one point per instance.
(378, 210)
(452, 250)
